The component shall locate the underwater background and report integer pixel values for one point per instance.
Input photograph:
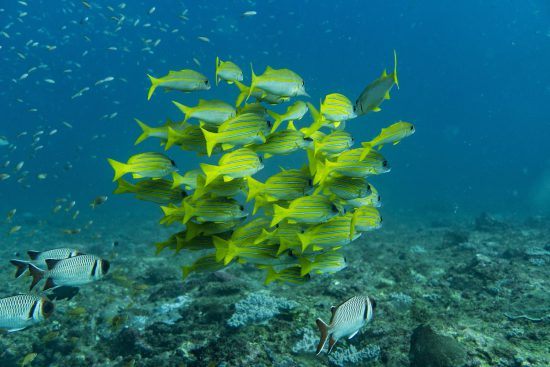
(471, 187)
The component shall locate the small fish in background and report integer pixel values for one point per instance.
(14, 229)
(39, 258)
(98, 201)
(73, 271)
(186, 80)
(346, 321)
(4, 176)
(4, 141)
(27, 359)
(10, 215)
(72, 230)
(249, 13)
(23, 310)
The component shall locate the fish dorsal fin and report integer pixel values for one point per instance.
(384, 74)
(202, 102)
(50, 263)
(333, 310)
(269, 69)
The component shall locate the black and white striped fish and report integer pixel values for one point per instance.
(39, 258)
(23, 310)
(347, 319)
(72, 271)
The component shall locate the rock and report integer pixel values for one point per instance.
(429, 349)
(486, 222)
(454, 238)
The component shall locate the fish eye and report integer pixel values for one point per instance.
(385, 163)
(334, 208)
(412, 127)
(105, 265)
(310, 182)
(268, 123)
(303, 83)
(381, 219)
(183, 194)
(308, 139)
(206, 82)
(379, 198)
(261, 159)
(47, 308)
(373, 303)
(368, 187)
(173, 163)
(241, 207)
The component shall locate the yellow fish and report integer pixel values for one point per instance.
(185, 80)
(236, 164)
(376, 92)
(337, 107)
(392, 134)
(294, 112)
(212, 112)
(228, 71)
(280, 82)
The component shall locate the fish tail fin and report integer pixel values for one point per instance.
(21, 266)
(37, 275)
(306, 266)
(231, 253)
(185, 271)
(171, 139)
(154, 84)
(252, 83)
(242, 93)
(222, 247)
(323, 328)
(123, 187)
(200, 190)
(259, 202)
(395, 69)
(264, 236)
(322, 172)
(279, 213)
(283, 246)
(191, 231)
(218, 63)
(271, 276)
(352, 225)
(277, 120)
(312, 162)
(211, 172)
(254, 188)
(315, 114)
(189, 211)
(184, 109)
(160, 246)
(33, 255)
(305, 239)
(176, 180)
(119, 168)
(211, 140)
(367, 146)
(146, 131)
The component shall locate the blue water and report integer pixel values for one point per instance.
(474, 80)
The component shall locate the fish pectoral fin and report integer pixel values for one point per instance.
(352, 335)
(377, 109)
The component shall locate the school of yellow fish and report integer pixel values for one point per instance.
(295, 224)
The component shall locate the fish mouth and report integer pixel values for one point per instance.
(47, 308)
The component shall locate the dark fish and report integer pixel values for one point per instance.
(347, 319)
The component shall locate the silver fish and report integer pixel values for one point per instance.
(39, 258)
(23, 310)
(347, 319)
(73, 271)
(3, 140)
